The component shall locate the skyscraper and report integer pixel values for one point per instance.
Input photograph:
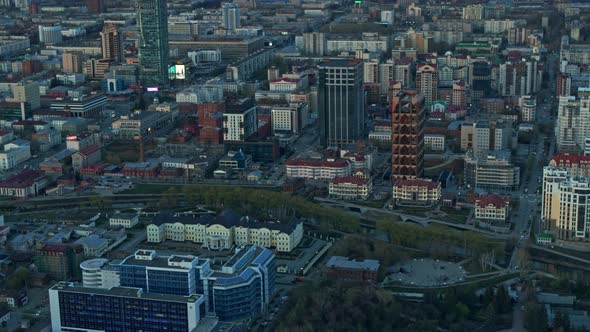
(314, 43)
(341, 102)
(407, 136)
(231, 16)
(111, 43)
(427, 82)
(152, 25)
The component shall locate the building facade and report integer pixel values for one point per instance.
(492, 209)
(418, 191)
(152, 25)
(341, 102)
(407, 139)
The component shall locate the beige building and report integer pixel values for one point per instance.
(72, 62)
(492, 209)
(434, 142)
(126, 220)
(351, 187)
(224, 231)
(420, 191)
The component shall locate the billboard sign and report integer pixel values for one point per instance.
(152, 89)
(179, 71)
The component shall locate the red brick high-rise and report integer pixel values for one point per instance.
(407, 136)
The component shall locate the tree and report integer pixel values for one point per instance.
(536, 317)
(18, 278)
(562, 322)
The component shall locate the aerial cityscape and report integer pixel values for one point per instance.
(294, 165)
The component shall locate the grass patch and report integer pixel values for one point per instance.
(381, 216)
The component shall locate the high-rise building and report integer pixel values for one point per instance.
(341, 102)
(460, 94)
(573, 123)
(72, 62)
(563, 85)
(152, 25)
(528, 108)
(96, 6)
(518, 78)
(240, 119)
(26, 92)
(50, 35)
(565, 204)
(427, 82)
(111, 43)
(314, 43)
(473, 12)
(230, 16)
(407, 136)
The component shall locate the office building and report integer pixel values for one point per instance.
(72, 62)
(241, 288)
(50, 35)
(427, 82)
(60, 261)
(25, 92)
(239, 119)
(493, 170)
(407, 136)
(230, 18)
(152, 25)
(75, 308)
(341, 102)
(25, 184)
(565, 205)
(225, 230)
(289, 119)
(482, 136)
(111, 43)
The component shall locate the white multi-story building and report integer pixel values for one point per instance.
(498, 26)
(14, 153)
(290, 118)
(434, 142)
(420, 191)
(528, 108)
(200, 95)
(230, 16)
(225, 231)
(318, 169)
(240, 121)
(473, 12)
(573, 123)
(351, 187)
(492, 209)
(127, 220)
(566, 203)
(50, 34)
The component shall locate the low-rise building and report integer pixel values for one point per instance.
(349, 269)
(492, 209)
(225, 230)
(417, 191)
(318, 169)
(94, 245)
(434, 142)
(87, 156)
(28, 183)
(351, 187)
(127, 220)
(235, 160)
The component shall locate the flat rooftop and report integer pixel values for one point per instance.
(125, 292)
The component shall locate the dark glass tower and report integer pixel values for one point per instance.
(152, 25)
(341, 102)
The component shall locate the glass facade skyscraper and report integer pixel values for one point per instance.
(341, 102)
(152, 26)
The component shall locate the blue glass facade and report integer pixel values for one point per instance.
(133, 276)
(121, 314)
(239, 301)
(171, 282)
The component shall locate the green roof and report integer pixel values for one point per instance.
(545, 235)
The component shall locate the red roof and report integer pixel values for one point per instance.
(498, 202)
(22, 180)
(570, 159)
(89, 150)
(5, 132)
(61, 247)
(318, 163)
(98, 166)
(350, 179)
(416, 183)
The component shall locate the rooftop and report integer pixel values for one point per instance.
(341, 262)
(417, 183)
(125, 292)
(23, 179)
(497, 201)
